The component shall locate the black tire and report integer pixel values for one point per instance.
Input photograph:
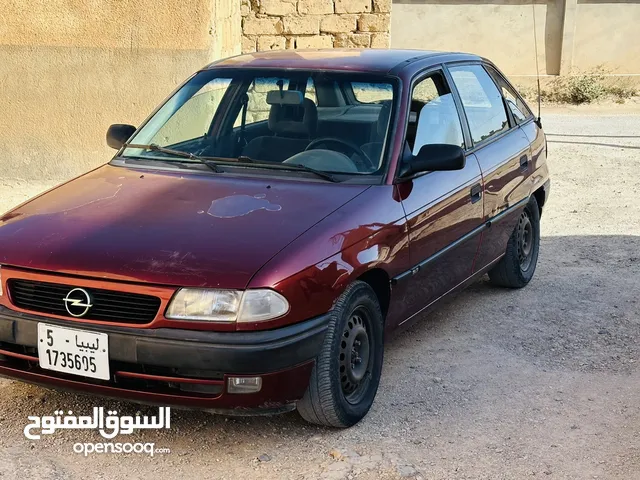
(518, 265)
(335, 397)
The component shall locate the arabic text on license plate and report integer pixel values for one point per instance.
(69, 350)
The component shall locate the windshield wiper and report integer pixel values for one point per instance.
(304, 168)
(250, 162)
(178, 153)
(241, 160)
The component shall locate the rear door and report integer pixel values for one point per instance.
(443, 209)
(503, 152)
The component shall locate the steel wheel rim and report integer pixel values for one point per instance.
(356, 356)
(525, 241)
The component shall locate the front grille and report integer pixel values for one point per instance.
(107, 305)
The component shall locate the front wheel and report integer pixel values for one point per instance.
(347, 372)
(518, 265)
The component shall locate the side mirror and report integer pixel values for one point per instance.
(118, 134)
(435, 157)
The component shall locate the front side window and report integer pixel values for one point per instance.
(433, 118)
(481, 100)
(275, 117)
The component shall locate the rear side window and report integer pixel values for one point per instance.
(517, 106)
(482, 102)
(310, 91)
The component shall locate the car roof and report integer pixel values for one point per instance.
(347, 59)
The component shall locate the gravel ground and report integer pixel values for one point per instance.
(542, 382)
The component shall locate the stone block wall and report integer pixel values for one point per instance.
(289, 24)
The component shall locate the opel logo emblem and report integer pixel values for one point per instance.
(77, 302)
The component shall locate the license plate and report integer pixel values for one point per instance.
(69, 350)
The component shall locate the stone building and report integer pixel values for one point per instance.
(280, 24)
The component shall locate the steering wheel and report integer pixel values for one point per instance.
(344, 143)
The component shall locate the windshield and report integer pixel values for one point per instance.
(330, 122)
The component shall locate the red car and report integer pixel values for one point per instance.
(253, 243)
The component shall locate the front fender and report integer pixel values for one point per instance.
(314, 290)
(369, 232)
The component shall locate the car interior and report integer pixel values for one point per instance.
(324, 127)
(291, 129)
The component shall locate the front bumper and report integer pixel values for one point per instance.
(177, 367)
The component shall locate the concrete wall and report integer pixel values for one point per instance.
(70, 68)
(571, 35)
(607, 33)
(285, 24)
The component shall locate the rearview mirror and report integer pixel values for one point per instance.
(118, 134)
(434, 157)
(285, 97)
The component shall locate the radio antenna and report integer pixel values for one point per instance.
(535, 45)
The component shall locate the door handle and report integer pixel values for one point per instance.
(476, 193)
(524, 162)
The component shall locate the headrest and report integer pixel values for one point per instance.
(383, 119)
(294, 120)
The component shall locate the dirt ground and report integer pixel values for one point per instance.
(542, 382)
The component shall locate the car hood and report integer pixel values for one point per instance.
(165, 227)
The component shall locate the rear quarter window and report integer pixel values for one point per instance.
(519, 109)
(372, 92)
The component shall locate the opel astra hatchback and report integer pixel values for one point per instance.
(251, 245)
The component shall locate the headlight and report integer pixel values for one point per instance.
(226, 305)
(201, 304)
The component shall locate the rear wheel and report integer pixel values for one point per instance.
(347, 372)
(518, 265)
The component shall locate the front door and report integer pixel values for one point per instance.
(444, 209)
